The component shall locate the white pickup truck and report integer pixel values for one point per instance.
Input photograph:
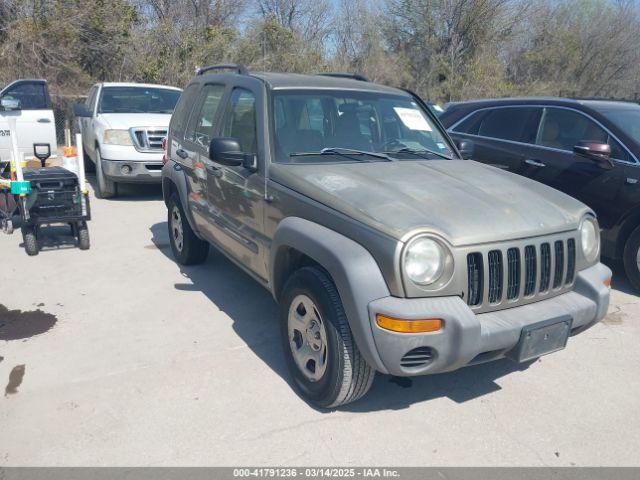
(123, 126)
(26, 102)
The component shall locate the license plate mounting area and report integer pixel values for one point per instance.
(542, 338)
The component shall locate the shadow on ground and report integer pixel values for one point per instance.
(255, 319)
(619, 280)
(131, 192)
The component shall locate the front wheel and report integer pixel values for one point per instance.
(321, 353)
(631, 258)
(106, 188)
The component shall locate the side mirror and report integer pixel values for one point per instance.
(227, 151)
(595, 151)
(466, 148)
(80, 110)
(10, 104)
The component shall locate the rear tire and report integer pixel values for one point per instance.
(631, 258)
(105, 188)
(319, 347)
(187, 248)
(31, 242)
(84, 241)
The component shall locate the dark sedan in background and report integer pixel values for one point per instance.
(589, 149)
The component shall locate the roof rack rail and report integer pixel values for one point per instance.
(354, 76)
(240, 69)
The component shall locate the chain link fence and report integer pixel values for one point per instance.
(66, 123)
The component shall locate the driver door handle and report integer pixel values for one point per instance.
(214, 171)
(182, 154)
(534, 163)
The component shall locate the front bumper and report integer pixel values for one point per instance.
(149, 171)
(123, 163)
(468, 338)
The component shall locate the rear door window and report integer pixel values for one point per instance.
(203, 120)
(517, 124)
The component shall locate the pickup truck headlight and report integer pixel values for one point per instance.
(426, 260)
(590, 239)
(117, 137)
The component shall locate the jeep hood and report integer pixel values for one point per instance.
(125, 121)
(464, 201)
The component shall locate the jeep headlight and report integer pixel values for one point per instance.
(117, 137)
(426, 260)
(590, 239)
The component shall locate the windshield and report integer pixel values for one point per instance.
(626, 117)
(138, 100)
(341, 126)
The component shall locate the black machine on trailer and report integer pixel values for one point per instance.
(55, 196)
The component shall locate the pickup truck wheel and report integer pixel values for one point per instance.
(106, 188)
(321, 353)
(631, 258)
(187, 248)
(89, 166)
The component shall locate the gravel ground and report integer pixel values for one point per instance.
(118, 356)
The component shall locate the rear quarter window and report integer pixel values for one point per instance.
(183, 109)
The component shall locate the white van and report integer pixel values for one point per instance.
(28, 102)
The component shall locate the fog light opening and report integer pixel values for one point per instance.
(125, 169)
(426, 325)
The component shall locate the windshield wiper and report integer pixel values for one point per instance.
(420, 153)
(344, 152)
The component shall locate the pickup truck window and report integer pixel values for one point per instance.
(307, 122)
(137, 100)
(32, 96)
(90, 102)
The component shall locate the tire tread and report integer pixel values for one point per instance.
(358, 375)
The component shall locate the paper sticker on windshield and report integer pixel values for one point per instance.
(413, 119)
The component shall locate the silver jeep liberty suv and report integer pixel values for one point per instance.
(386, 250)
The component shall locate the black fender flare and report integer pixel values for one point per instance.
(352, 268)
(174, 179)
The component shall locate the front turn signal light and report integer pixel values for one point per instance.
(607, 282)
(409, 326)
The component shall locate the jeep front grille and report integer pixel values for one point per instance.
(474, 273)
(506, 276)
(148, 139)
